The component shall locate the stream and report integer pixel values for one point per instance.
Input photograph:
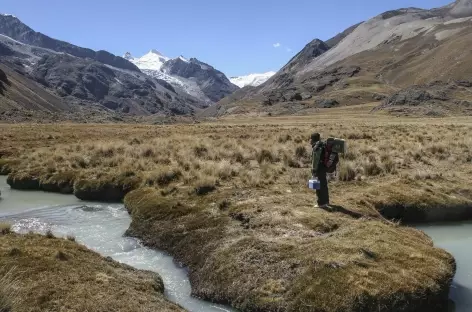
(456, 238)
(100, 227)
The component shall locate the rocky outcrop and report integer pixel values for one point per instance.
(5, 50)
(290, 91)
(213, 83)
(12, 27)
(434, 99)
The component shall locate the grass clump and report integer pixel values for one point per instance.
(40, 279)
(50, 234)
(204, 187)
(7, 165)
(346, 172)
(71, 238)
(265, 156)
(61, 256)
(5, 228)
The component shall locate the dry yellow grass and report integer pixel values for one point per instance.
(53, 274)
(267, 154)
(229, 200)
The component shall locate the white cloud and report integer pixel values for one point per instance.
(277, 45)
(289, 50)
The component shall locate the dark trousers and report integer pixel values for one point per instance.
(322, 193)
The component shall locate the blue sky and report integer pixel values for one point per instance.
(237, 37)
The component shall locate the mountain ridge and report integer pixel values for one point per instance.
(197, 78)
(14, 28)
(368, 62)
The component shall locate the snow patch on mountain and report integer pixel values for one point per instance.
(152, 60)
(251, 79)
(183, 59)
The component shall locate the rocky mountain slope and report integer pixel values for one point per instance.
(252, 80)
(196, 78)
(213, 83)
(54, 79)
(370, 62)
(12, 27)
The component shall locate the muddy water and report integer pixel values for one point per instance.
(100, 227)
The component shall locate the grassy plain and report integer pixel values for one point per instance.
(229, 200)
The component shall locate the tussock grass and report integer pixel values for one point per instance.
(295, 258)
(5, 228)
(230, 201)
(9, 298)
(110, 161)
(48, 274)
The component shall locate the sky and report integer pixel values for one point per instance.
(236, 37)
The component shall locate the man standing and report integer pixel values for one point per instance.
(319, 169)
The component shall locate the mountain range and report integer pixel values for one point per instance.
(410, 61)
(198, 79)
(405, 61)
(49, 78)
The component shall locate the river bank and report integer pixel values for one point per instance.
(229, 202)
(99, 227)
(44, 273)
(456, 238)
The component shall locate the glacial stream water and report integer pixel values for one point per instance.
(456, 238)
(100, 227)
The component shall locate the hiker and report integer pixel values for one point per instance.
(324, 161)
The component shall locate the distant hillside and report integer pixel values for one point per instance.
(369, 62)
(39, 81)
(12, 27)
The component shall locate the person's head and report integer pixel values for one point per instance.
(315, 137)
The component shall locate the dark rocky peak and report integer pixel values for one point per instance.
(214, 84)
(12, 27)
(312, 50)
(128, 56)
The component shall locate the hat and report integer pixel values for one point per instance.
(315, 137)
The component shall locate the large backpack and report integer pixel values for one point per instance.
(329, 153)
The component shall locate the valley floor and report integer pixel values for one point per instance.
(229, 200)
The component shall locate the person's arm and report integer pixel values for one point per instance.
(316, 155)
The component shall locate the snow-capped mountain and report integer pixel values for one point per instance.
(153, 60)
(192, 76)
(251, 79)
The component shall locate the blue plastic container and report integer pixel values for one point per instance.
(314, 184)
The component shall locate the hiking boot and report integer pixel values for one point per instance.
(327, 207)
